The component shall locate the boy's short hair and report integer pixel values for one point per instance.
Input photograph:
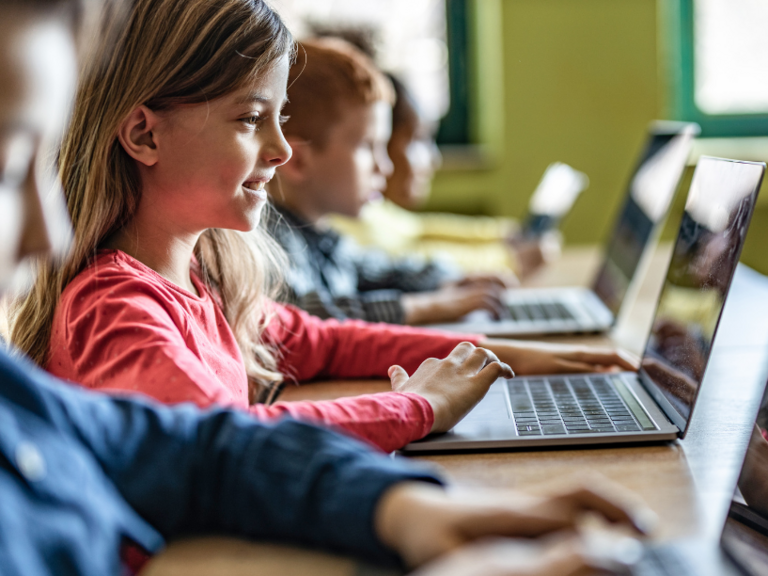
(327, 77)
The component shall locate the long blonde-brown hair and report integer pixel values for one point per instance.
(163, 53)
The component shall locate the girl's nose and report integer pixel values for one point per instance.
(277, 152)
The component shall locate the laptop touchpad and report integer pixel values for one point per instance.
(491, 408)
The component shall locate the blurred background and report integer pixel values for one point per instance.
(518, 84)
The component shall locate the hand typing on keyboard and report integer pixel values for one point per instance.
(423, 522)
(559, 555)
(454, 385)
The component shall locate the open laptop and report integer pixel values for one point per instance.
(743, 545)
(580, 309)
(553, 198)
(655, 403)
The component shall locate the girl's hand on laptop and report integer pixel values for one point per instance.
(529, 358)
(422, 522)
(453, 385)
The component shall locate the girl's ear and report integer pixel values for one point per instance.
(137, 137)
(299, 166)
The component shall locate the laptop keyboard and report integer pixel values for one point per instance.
(569, 405)
(539, 311)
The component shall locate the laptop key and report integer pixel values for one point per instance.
(627, 427)
(547, 430)
(564, 312)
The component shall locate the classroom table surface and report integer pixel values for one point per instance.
(688, 482)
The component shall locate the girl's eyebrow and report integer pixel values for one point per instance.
(251, 98)
(254, 97)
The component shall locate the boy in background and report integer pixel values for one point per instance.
(339, 124)
(477, 244)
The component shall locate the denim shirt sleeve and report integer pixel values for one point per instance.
(222, 472)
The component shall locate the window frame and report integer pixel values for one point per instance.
(455, 127)
(681, 19)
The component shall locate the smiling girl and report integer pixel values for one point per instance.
(168, 288)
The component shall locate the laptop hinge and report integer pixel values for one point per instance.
(666, 407)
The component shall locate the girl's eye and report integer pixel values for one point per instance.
(252, 120)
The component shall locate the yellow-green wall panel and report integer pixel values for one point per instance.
(579, 85)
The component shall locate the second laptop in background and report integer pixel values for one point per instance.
(579, 309)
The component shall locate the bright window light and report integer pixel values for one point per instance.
(731, 56)
(410, 39)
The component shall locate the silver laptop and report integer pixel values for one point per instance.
(655, 403)
(743, 546)
(595, 309)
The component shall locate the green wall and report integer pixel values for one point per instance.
(575, 81)
(557, 80)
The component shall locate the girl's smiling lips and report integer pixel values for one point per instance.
(257, 187)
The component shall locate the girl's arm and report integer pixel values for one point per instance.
(387, 421)
(110, 342)
(312, 348)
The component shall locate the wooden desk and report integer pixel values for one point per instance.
(687, 483)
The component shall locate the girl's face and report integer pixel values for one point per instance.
(38, 69)
(214, 159)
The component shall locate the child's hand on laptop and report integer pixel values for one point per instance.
(529, 358)
(423, 522)
(558, 555)
(453, 301)
(453, 385)
(506, 280)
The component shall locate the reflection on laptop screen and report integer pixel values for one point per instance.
(745, 535)
(704, 259)
(651, 190)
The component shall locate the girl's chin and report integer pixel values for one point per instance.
(252, 217)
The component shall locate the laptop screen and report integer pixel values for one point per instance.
(704, 258)
(651, 189)
(745, 534)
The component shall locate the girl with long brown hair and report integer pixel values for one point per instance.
(168, 288)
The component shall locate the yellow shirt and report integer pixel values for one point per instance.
(475, 243)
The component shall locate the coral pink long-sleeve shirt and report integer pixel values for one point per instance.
(120, 326)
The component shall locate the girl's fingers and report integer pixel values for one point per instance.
(496, 370)
(462, 351)
(479, 358)
(398, 376)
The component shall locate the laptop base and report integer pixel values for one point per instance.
(491, 424)
(540, 311)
